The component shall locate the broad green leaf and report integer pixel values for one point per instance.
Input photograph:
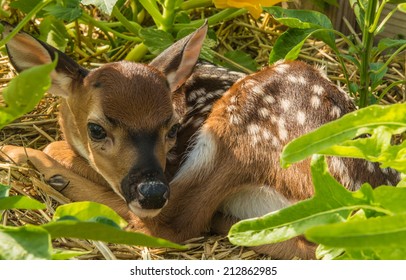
(156, 40)
(381, 232)
(86, 210)
(327, 138)
(390, 198)
(20, 202)
(387, 43)
(24, 5)
(289, 44)
(332, 203)
(25, 91)
(327, 253)
(103, 232)
(312, 23)
(24, 243)
(241, 58)
(106, 6)
(53, 31)
(303, 19)
(67, 10)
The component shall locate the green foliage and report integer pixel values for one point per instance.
(365, 224)
(84, 220)
(304, 24)
(25, 91)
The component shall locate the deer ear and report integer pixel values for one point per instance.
(26, 52)
(177, 61)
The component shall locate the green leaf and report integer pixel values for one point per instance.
(390, 198)
(24, 243)
(156, 40)
(380, 121)
(106, 6)
(376, 77)
(381, 232)
(387, 43)
(24, 5)
(53, 32)
(289, 44)
(241, 58)
(86, 210)
(103, 232)
(303, 19)
(25, 91)
(303, 24)
(332, 203)
(68, 10)
(20, 202)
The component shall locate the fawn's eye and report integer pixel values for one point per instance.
(96, 132)
(172, 133)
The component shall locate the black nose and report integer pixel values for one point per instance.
(153, 194)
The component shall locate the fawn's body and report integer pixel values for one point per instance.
(121, 121)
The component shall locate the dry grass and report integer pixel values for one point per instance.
(40, 127)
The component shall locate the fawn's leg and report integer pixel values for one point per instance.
(71, 184)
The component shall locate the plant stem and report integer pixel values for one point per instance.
(131, 26)
(25, 20)
(152, 9)
(168, 15)
(137, 53)
(367, 43)
(223, 15)
(87, 18)
(193, 4)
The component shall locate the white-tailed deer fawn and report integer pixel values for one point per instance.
(121, 120)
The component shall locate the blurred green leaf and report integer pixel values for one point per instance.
(335, 138)
(24, 243)
(24, 92)
(20, 202)
(156, 40)
(67, 10)
(241, 58)
(86, 210)
(53, 32)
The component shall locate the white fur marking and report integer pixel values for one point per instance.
(269, 99)
(285, 104)
(254, 201)
(319, 90)
(264, 112)
(315, 101)
(301, 117)
(335, 111)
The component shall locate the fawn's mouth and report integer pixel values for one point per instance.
(136, 208)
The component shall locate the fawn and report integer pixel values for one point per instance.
(177, 149)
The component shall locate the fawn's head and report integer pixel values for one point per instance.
(119, 117)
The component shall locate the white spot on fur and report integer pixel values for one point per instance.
(315, 101)
(231, 108)
(370, 167)
(283, 133)
(297, 79)
(285, 104)
(317, 89)
(257, 90)
(253, 129)
(275, 142)
(338, 166)
(281, 68)
(254, 201)
(233, 99)
(301, 117)
(335, 111)
(266, 134)
(264, 112)
(235, 119)
(269, 99)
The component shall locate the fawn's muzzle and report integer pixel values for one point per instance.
(152, 194)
